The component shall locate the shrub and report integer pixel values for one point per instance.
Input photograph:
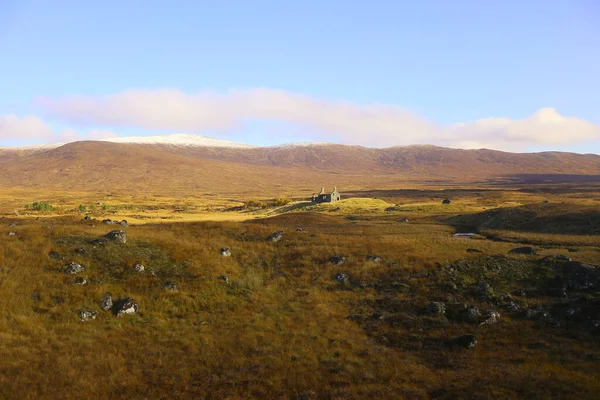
(39, 206)
(82, 208)
(282, 201)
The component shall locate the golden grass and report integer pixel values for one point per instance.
(280, 327)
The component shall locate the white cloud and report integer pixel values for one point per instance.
(31, 128)
(375, 125)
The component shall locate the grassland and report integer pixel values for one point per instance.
(284, 327)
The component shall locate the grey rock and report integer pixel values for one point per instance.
(139, 268)
(223, 278)
(446, 201)
(125, 305)
(473, 251)
(12, 233)
(87, 218)
(73, 268)
(54, 255)
(464, 341)
(557, 258)
(473, 314)
(118, 236)
(124, 223)
(491, 318)
(373, 258)
(275, 236)
(520, 293)
(341, 277)
(337, 260)
(106, 302)
(171, 286)
(85, 314)
(225, 252)
(436, 307)
(580, 276)
(81, 280)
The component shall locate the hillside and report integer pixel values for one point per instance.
(291, 169)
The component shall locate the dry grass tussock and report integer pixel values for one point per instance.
(283, 325)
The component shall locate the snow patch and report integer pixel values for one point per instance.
(180, 140)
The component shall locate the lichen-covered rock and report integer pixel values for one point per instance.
(373, 258)
(225, 252)
(125, 305)
(119, 236)
(73, 268)
(85, 314)
(337, 260)
(491, 318)
(106, 302)
(275, 236)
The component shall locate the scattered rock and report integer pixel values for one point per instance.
(526, 250)
(124, 223)
(172, 286)
(12, 233)
(464, 341)
(108, 221)
(139, 268)
(446, 201)
(119, 236)
(81, 280)
(87, 218)
(73, 268)
(275, 236)
(225, 252)
(436, 307)
(473, 314)
(373, 258)
(520, 293)
(85, 314)
(580, 276)
(404, 220)
(54, 255)
(337, 260)
(341, 277)
(492, 318)
(98, 242)
(106, 302)
(473, 251)
(557, 258)
(79, 250)
(299, 230)
(223, 278)
(125, 305)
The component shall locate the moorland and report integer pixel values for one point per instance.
(374, 296)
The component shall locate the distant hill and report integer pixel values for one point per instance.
(219, 167)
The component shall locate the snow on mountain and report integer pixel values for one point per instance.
(180, 140)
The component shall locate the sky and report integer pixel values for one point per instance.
(508, 75)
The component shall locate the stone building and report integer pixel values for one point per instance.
(323, 197)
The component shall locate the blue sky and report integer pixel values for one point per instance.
(390, 67)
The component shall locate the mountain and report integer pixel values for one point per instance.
(186, 164)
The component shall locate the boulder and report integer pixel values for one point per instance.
(225, 252)
(139, 268)
(436, 307)
(81, 280)
(73, 268)
(118, 236)
(124, 223)
(299, 230)
(275, 236)
(446, 201)
(87, 218)
(107, 221)
(171, 286)
(373, 258)
(85, 314)
(557, 258)
(525, 250)
(491, 318)
(125, 305)
(79, 250)
(337, 260)
(464, 341)
(223, 278)
(54, 255)
(12, 233)
(341, 277)
(106, 302)
(404, 220)
(473, 251)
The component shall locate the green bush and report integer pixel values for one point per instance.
(39, 206)
(282, 201)
(82, 208)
